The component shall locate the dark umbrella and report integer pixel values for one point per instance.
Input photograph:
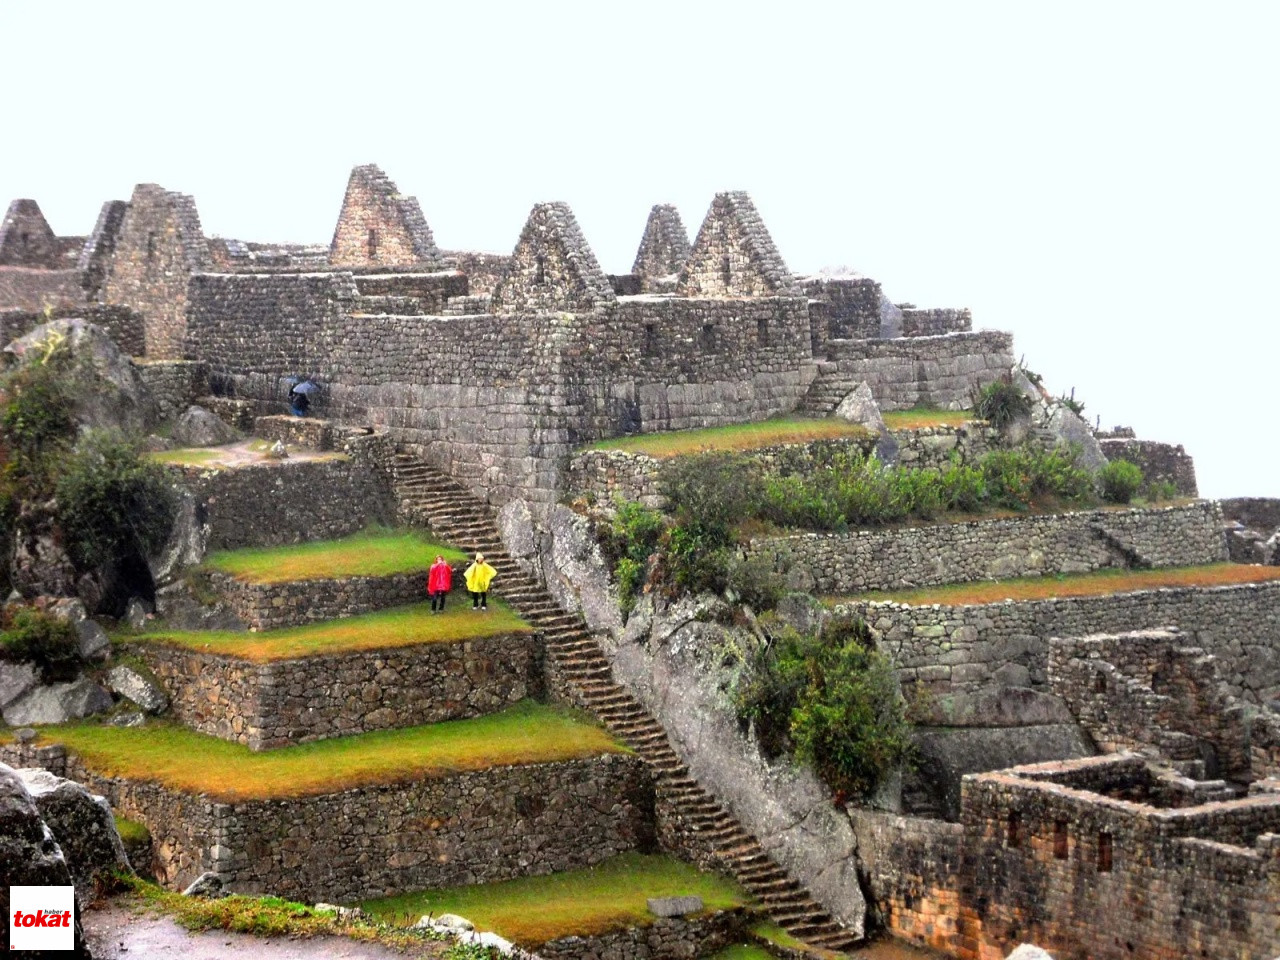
(306, 386)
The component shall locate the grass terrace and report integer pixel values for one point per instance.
(163, 753)
(386, 629)
(738, 436)
(532, 910)
(1099, 583)
(918, 417)
(376, 552)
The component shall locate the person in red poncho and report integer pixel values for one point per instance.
(439, 583)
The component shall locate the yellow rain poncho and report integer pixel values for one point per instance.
(479, 575)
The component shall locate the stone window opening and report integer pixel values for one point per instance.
(373, 243)
(708, 336)
(151, 246)
(25, 240)
(726, 272)
(1060, 840)
(1013, 836)
(1100, 683)
(650, 339)
(540, 270)
(762, 331)
(1104, 852)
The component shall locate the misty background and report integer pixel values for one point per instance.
(1098, 178)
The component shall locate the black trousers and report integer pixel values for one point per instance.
(480, 599)
(439, 598)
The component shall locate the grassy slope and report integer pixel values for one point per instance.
(740, 436)
(398, 627)
(372, 553)
(1100, 583)
(917, 418)
(526, 733)
(533, 910)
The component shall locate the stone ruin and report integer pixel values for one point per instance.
(1074, 746)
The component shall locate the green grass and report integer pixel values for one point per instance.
(1099, 583)
(273, 917)
(738, 436)
(131, 831)
(166, 754)
(919, 417)
(533, 910)
(194, 457)
(384, 630)
(375, 552)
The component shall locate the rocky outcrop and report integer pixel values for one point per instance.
(197, 427)
(82, 824)
(29, 853)
(58, 703)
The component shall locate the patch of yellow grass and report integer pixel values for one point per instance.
(1100, 583)
(533, 910)
(384, 630)
(372, 553)
(916, 419)
(180, 759)
(738, 436)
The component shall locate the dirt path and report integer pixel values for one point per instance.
(118, 933)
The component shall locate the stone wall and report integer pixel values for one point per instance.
(31, 290)
(915, 371)
(409, 293)
(888, 559)
(123, 325)
(734, 255)
(27, 240)
(264, 705)
(606, 475)
(957, 648)
(853, 305)
(1206, 877)
(290, 501)
(1150, 691)
(380, 226)
(270, 606)
(912, 867)
(173, 385)
(100, 247)
(482, 270)
(664, 248)
(667, 938)
(1160, 462)
(159, 246)
(933, 448)
(1258, 513)
(936, 321)
(307, 433)
(552, 268)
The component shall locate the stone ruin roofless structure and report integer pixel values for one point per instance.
(491, 367)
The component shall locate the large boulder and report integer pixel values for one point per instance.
(1053, 417)
(197, 427)
(576, 572)
(890, 319)
(40, 566)
(94, 642)
(109, 393)
(860, 407)
(136, 688)
(58, 703)
(29, 854)
(81, 823)
(186, 544)
(15, 680)
(1028, 951)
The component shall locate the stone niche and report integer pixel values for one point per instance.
(264, 705)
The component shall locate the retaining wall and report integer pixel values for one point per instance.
(912, 371)
(173, 384)
(887, 559)
(667, 938)
(1159, 462)
(269, 606)
(265, 705)
(464, 828)
(958, 648)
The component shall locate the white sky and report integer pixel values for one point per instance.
(1099, 178)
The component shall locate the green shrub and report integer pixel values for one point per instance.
(1159, 490)
(1071, 403)
(1120, 481)
(37, 421)
(629, 575)
(112, 504)
(633, 537)
(45, 640)
(755, 581)
(1001, 402)
(697, 557)
(713, 489)
(832, 700)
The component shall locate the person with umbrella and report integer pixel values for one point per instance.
(300, 396)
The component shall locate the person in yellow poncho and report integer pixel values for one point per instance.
(478, 576)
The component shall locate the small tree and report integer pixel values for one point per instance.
(1119, 481)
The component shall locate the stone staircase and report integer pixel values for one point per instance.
(826, 391)
(431, 497)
